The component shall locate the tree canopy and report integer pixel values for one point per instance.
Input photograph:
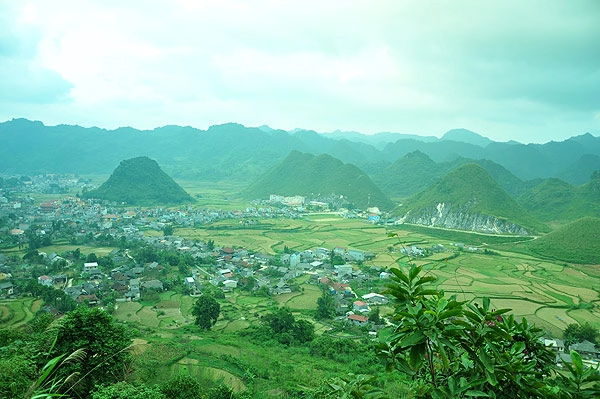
(206, 310)
(105, 344)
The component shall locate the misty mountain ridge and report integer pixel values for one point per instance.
(237, 153)
(556, 200)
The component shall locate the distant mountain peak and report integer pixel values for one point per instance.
(466, 136)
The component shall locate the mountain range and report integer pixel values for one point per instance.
(242, 154)
(479, 184)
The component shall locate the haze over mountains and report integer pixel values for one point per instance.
(380, 170)
(232, 151)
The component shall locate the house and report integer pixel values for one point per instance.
(91, 268)
(556, 345)
(134, 289)
(358, 320)
(340, 251)
(586, 349)
(360, 306)
(294, 259)
(119, 287)
(230, 283)
(45, 280)
(376, 299)
(91, 299)
(74, 291)
(343, 270)
(316, 264)
(190, 281)
(152, 285)
(357, 255)
(384, 275)
(322, 253)
(6, 289)
(324, 280)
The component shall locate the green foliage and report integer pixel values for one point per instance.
(168, 230)
(325, 306)
(182, 387)
(575, 333)
(577, 242)
(104, 341)
(554, 199)
(374, 316)
(140, 181)
(16, 376)
(580, 382)
(206, 310)
(353, 386)
(50, 382)
(125, 390)
(453, 349)
(281, 325)
(470, 189)
(302, 174)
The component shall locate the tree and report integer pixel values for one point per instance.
(182, 387)
(168, 230)
(455, 349)
(207, 310)
(575, 333)
(374, 316)
(325, 306)
(104, 342)
(92, 257)
(284, 327)
(303, 331)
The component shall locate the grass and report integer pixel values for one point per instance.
(544, 291)
(18, 311)
(307, 300)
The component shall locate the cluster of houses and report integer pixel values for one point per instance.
(586, 349)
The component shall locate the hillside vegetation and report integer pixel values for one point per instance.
(577, 242)
(463, 193)
(416, 171)
(304, 174)
(140, 181)
(556, 200)
(235, 152)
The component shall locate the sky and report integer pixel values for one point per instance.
(508, 70)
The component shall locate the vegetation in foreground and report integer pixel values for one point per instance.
(439, 348)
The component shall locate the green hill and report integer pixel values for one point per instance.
(416, 171)
(305, 174)
(577, 242)
(556, 200)
(468, 198)
(140, 181)
(408, 175)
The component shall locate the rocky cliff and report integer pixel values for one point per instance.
(461, 218)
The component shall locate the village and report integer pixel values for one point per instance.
(119, 277)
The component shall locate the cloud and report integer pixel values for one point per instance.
(22, 78)
(522, 70)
